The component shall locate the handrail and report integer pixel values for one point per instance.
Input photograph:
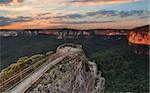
(15, 79)
(19, 76)
(19, 73)
(13, 88)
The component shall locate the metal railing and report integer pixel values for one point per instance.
(15, 79)
(19, 76)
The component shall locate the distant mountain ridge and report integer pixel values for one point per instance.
(60, 32)
(139, 27)
(142, 28)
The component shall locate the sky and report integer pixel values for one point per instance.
(79, 14)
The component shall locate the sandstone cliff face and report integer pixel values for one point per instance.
(139, 38)
(75, 74)
(139, 35)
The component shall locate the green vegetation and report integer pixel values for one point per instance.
(20, 64)
(13, 48)
(123, 70)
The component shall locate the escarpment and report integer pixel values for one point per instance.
(74, 74)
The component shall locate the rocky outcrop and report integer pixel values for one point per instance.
(139, 35)
(139, 38)
(74, 74)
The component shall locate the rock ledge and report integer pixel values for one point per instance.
(74, 74)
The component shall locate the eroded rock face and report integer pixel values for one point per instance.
(139, 38)
(71, 75)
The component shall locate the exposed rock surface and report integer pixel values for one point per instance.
(74, 74)
(139, 35)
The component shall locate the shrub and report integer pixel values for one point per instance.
(36, 58)
(14, 66)
(20, 64)
(22, 59)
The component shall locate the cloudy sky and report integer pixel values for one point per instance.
(81, 14)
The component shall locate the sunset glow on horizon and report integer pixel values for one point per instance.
(80, 14)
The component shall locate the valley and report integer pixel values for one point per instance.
(113, 53)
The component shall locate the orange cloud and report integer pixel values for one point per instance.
(102, 2)
(49, 24)
(31, 24)
(10, 2)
